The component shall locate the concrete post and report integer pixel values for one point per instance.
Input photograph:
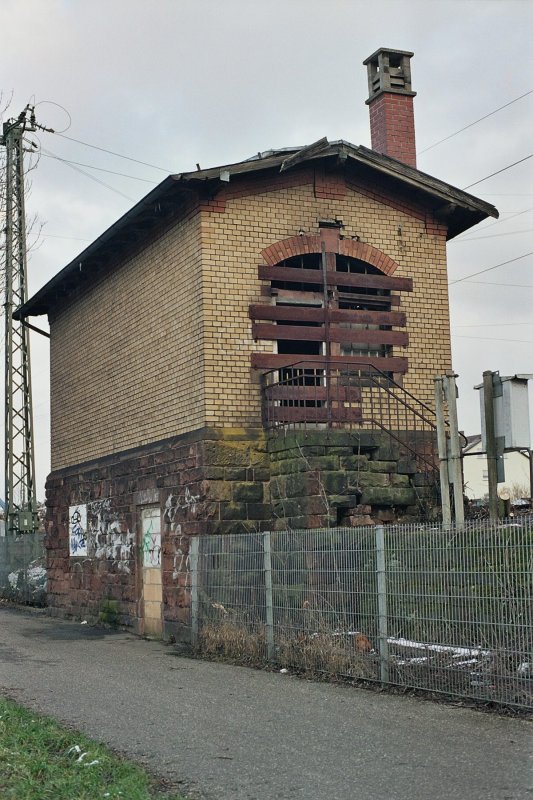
(268, 596)
(443, 455)
(382, 605)
(194, 550)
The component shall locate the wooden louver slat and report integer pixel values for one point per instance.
(336, 334)
(318, 314)
(334, 278)
(318, 414)
(269, 361)
(295, 392)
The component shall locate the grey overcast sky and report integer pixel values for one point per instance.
(176, 82)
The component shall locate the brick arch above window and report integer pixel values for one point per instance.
(308, 243)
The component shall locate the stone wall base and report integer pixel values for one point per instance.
(212, 481)
(325, 478)
(209, 481)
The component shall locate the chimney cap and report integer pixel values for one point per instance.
(374, 56)
(389, 71)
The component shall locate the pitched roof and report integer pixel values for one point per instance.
(460, 209)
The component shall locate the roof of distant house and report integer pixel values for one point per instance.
(471, 442)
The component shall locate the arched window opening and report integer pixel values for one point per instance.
(329, 314)
(318, 313)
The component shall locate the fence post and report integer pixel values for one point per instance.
(382, 605)
(194, 550)
(267, 562)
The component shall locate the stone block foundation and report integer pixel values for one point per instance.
(121, 525)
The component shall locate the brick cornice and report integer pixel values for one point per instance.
(309, 243)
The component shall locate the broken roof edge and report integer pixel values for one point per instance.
(288, 157)
(390, 167)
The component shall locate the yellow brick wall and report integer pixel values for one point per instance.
(231, 284)
(162, 345)
(126, 358)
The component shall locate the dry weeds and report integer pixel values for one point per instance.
(321, 652)
(224, 638)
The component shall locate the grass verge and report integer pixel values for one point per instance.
(40, 760)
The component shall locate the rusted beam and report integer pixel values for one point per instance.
(34, 328)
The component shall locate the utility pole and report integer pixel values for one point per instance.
(442, 444)
(455, 466)
(449, 448)
(20, 499)
(492, 453)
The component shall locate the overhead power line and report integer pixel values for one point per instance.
(492, 339)
(489, 324)
(471, 124)
(498, 172)
(57, 236)
(493, 235)
(100, 169)
(507, 285)
(499, 222)
(119, 155)
(88, 175)
(488, 269)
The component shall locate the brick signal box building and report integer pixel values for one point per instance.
(251, 346)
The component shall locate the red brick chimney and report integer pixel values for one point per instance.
(390, 101)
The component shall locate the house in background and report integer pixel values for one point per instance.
(251, 346)
(475, 471)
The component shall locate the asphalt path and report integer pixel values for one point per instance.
(230, 733)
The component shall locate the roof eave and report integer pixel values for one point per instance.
(462, 209)
(37, 304)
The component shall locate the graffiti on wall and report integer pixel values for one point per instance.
(77, 530)
(151, 531)
(175, 503)
(96, 531)
(180, 542)
(113, 540)
(181, 553)
(151, 549)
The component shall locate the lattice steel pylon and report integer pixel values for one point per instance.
(20, 498)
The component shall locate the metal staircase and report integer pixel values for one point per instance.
(360, 399)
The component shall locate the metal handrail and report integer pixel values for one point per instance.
(357, 366)
(389, 407)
